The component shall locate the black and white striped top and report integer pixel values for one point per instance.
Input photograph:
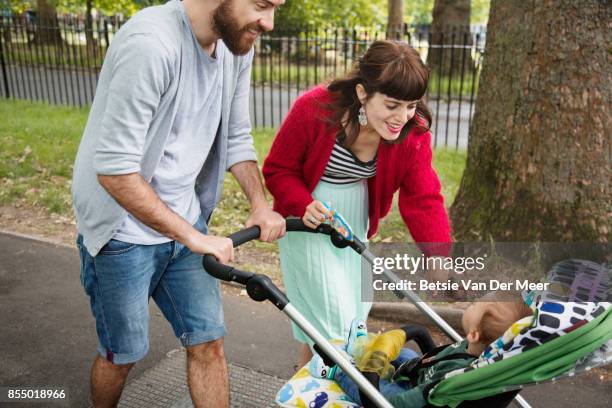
(344, 167)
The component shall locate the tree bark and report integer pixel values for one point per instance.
(450, 26)
(47, 26)
(6, 30)
(89, 24)
(89, 30)
(539, 154)
(395, 20)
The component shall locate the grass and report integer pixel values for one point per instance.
(39, 144)
(449, 165)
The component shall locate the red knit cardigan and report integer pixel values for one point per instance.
(303, 147)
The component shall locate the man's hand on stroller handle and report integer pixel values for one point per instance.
(220, 247)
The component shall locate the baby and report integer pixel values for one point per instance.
(483, 322)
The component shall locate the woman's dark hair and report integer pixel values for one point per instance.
(392, 68)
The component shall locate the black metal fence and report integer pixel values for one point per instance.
(59, 63)
(56, 63)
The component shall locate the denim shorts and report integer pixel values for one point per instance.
(123, 276)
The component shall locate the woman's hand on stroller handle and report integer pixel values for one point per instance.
(315, 214)
(272, 225)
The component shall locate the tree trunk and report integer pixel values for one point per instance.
(89, 37)
(450, 27)
(5, 26)
(539, 155)
(47, 26)
(395, 21)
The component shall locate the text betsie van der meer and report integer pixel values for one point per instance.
(458, 265)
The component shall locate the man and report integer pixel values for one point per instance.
(170, 116)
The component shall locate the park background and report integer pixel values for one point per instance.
(520, 93)
(520, 120)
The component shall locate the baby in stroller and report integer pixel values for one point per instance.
(401, 374)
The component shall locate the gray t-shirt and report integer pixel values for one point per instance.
(141, 87)
(192, 135)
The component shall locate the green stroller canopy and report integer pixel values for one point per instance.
(549, 361)
(571, 333)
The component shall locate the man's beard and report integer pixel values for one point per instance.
(225, 25)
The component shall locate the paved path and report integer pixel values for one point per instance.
(48, 339)
(48, 334)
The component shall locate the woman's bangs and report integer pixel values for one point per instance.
(402, 83)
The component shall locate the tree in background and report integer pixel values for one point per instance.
(366, 13)
(300, 12)
(5, 12)
(321, 13)
(47, 29)
(102, 7)
(106, 7)
(449, 15)
(17, 7)
(90, 40)
(539, 155)
(47, 26)
(395, 19)
(420, 12)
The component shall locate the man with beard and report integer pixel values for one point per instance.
(170, 116)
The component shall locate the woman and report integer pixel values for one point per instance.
(353, 142)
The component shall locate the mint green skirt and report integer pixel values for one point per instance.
(324, 282)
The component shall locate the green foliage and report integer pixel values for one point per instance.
(480, 11)
(418, 11)
(331, 12)
(291, 14)
(16, 6)
(106, 7)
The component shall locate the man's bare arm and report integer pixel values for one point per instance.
(248, 176)
(134, 194)
(271, 223)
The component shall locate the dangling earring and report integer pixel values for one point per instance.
(363, 119)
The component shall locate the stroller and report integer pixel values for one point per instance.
(537, 354)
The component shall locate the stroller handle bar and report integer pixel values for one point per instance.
(259, 287)
(230, 274)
